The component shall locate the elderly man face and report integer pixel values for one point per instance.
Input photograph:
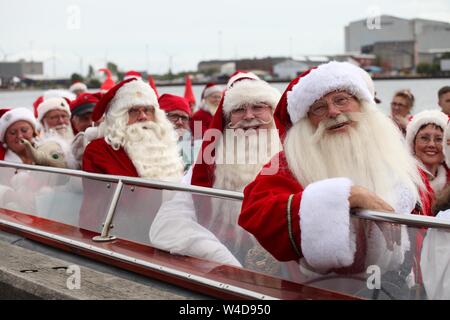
(141, 114)
(333, 108)
(251, 116)
(179, 119)
(81, 122)
(214, 99)
(55, 118)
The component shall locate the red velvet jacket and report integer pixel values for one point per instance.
(265, 208)
(100, 157)
(205, 118)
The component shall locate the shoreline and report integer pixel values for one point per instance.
(178, 84)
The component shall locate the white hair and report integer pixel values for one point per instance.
(373, 155)
(151, 145)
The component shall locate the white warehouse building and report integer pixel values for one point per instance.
(427, 34)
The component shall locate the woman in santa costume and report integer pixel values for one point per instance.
(15, 125)
(340, 154)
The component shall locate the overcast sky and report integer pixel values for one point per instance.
(83, 32)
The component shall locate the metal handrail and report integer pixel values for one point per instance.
(105, 236)
(409, 220)
(156, 184)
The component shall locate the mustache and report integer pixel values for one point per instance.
(329, 123)
(244, 124)
(139, 129)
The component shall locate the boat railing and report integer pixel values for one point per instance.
(409, 220)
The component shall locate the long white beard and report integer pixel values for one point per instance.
(238, 162)
(63, 131)
(373, 155)
(153, 151)
(240, 156)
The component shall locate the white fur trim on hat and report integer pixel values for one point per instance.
(78, 86)
(324, 79)
(250, 91)
(422, 118)
(52, 104)
(327, 239)
(211, 90)
(13, 116)
(133, 93)
(241, 75)
(58, 93)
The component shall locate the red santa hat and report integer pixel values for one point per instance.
(203, 172)
(132, 74)
(315, 83)
(52, 104)
(10, 116)
(58, 93)
(170, 102)
(124, 95)
(247, 89)
(423, 118)
(84, 103)
(78, 86)
(211, 88)
(36, 104)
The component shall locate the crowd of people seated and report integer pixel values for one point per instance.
(304, 160)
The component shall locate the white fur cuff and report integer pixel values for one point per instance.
(326, 238)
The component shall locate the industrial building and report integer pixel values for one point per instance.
(399, 44)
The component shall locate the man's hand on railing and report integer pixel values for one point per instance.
(361, 198)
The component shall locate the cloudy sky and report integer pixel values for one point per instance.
(68, 35)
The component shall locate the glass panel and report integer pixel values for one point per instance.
(70, 200)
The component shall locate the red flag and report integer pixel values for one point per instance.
(188, 92)
(109, 82)
(151, 82)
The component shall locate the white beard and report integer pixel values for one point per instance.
(63, 131)
(232, 174)
(238, 163)
(153, 151)
(373, 155)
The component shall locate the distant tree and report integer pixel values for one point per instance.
(76, 77)
(94, 83)
(113, 67)
(91, 72)
(424, 68)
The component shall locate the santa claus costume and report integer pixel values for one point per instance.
(146, 150)
(439, 180)
(204, 115)
(206, 227)
(302, 213)
(63, 130)
(7, 118)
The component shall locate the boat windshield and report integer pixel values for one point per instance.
(391, 260)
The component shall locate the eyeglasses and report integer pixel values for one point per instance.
(256, 109)
(175, 117)
(340, 101)
(426, 139)
(135, 112)
(63, 116)
(400, 105)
